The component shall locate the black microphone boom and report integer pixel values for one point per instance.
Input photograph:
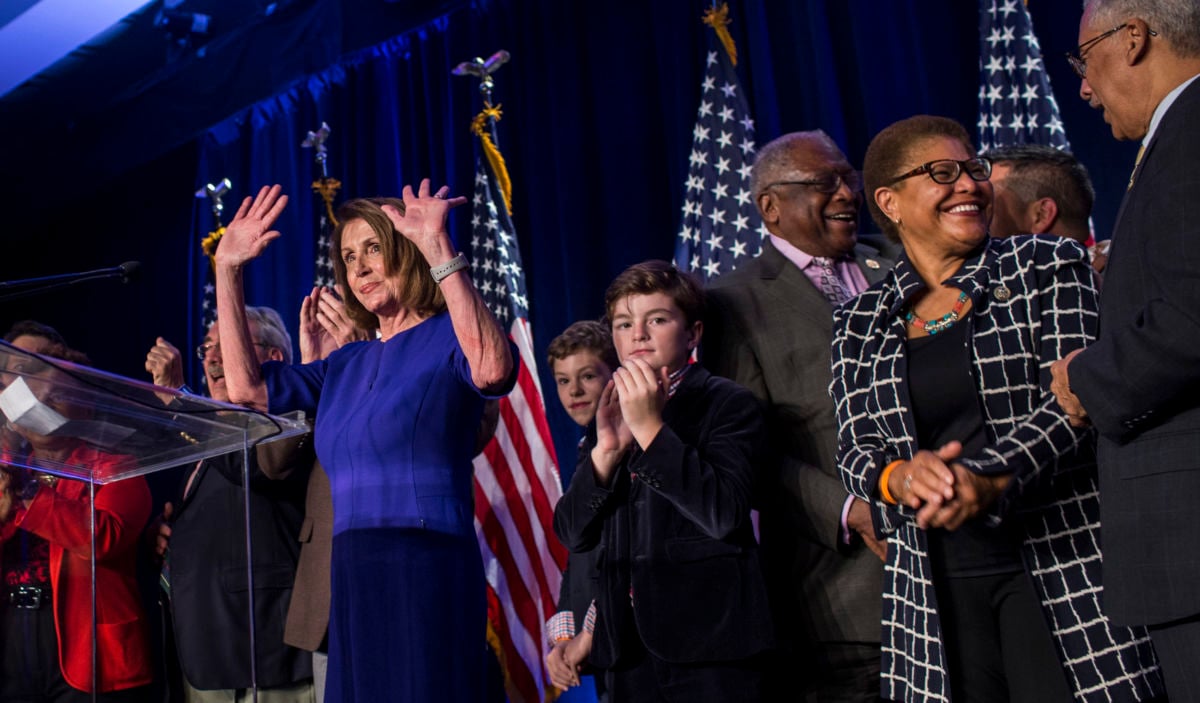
(27, 286)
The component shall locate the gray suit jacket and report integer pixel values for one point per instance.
(1139, 382)
(770, 329)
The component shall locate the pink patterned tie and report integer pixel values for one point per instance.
(831, 284)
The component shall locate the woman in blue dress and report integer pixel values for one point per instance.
(396, 419)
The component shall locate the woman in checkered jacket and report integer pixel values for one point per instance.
(986, 494)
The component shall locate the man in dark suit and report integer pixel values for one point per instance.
(203, 541)
(1137, 384)
(770, 330)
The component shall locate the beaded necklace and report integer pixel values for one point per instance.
(942, 323)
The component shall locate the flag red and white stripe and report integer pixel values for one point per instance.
(517, 482)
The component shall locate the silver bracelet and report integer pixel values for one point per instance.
(439, 273)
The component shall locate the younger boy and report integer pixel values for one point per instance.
(663, 491)
(582, 360)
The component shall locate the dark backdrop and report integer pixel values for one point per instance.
(599, 103)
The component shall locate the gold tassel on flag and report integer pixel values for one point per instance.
(479, 126)
(718, 19)
(209, 245)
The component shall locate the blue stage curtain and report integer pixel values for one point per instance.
(599, 103)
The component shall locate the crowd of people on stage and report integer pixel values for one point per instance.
(955, 461)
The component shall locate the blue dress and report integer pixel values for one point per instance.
(395, 430)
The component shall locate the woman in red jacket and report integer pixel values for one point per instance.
(45, 564)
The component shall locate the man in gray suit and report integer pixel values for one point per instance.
(1139, 62)
(770, 329)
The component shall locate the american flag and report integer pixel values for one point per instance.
(326, 189)
(1016, 103)
(323, 266)
(721, 226)
(214, 193)
(517, 483)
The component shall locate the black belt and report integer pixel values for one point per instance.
(29, 597)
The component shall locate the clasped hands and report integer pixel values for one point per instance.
(942, 491)
(565, 660)
(630, 410)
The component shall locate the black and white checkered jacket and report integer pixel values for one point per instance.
(1033, 302)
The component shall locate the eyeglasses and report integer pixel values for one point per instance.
(946, 171)
(204, 349)
(826, 183)
(1079, 63)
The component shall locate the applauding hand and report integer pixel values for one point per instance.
(612, 435)
(643, 393)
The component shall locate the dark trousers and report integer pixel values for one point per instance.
(998, 645)
(843, 672)
(1177, 644)
(649, 679)
(29, 670)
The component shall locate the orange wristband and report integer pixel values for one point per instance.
(883, 482)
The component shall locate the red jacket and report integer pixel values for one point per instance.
(60, 516)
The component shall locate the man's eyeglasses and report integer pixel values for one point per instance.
(1077, 60)
(827, 183)
(946, 171)
(204, 349)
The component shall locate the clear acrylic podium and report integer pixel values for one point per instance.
(75, 446)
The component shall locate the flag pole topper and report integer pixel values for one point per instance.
(324, 186)
(215, 192)
(488, 116)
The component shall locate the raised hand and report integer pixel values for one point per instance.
(423, 221)
(249, 233)
(164, 363)
(643, 393)
(612, 435)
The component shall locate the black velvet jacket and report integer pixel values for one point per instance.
(679, 572)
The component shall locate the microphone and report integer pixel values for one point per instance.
(129, 270)
(124, 272)
(28, 286)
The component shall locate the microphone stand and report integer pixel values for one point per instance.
(12, 290)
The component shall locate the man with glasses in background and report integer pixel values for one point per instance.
(201, 538)
(1138, 61)
(770, 329)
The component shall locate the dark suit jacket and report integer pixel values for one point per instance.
(578, 588)
(770, 330)
(674, 530)
(1140, 382)
(209, 601)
